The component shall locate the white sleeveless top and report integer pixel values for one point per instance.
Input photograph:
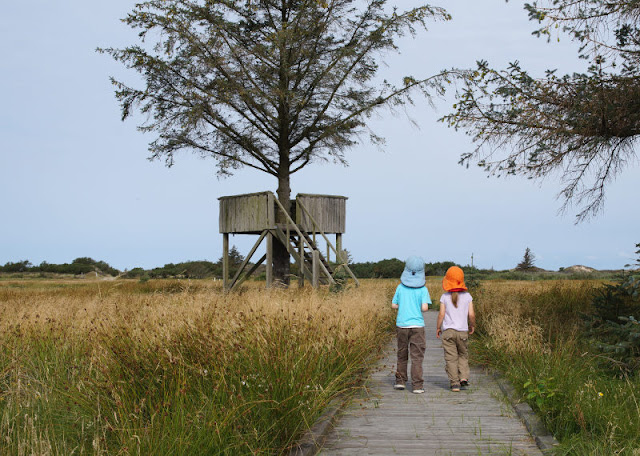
(456, 317)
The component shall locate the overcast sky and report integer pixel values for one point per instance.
(75, 180)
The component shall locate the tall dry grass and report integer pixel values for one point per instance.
(520, 317)
(177, 367)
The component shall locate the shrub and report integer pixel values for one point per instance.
(134, 273)
(20, 266)
(613, 327)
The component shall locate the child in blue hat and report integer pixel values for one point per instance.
(411, 299)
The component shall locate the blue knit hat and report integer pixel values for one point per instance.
(413, 274)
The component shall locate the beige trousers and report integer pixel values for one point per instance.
(456, 355)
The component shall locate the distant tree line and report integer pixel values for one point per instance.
(190, 269)
(392, 268)
(78, 266)
(383, 269)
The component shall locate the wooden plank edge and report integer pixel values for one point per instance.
(313, 439)
(544, 439)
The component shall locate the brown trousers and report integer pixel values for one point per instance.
(410, 340)
(456, 355)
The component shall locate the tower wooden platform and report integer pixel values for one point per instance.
(312, 218)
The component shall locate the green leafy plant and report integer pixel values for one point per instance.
(341, 282)
(541, 391)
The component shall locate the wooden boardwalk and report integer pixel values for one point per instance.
(478, 421)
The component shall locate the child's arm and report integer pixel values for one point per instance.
(440, 319)
(395, 299)
(426, 299)
(472, 319)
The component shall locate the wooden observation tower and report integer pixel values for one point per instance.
(312, 218)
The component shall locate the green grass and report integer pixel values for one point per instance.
(589, 408)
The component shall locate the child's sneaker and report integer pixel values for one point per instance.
(418, 391)
(464, 384)
(455, 388)
(398, 386)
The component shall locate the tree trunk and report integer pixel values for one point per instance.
(281, 259)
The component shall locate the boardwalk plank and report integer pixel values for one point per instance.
(384, 421)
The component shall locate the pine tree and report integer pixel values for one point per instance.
(583, 126)
(614, 326)
(272, 85)
(527, 262)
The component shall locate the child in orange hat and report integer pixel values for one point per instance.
(456, 321)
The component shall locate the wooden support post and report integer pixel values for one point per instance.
(248, 274)
(269, 264)
(300, 262)
(339, 259)
(288, 238)
(315, 268)
(244, 264)
(225, 261)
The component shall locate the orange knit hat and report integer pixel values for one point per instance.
(454, 280)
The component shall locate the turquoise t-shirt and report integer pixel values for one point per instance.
(410, 302)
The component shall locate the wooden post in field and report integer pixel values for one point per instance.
(339, 260)
(269, 266)
(315, 269)
(300, 262)
(225, 260)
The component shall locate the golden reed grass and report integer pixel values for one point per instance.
(522, 316)
(122, 357)
(164, 307)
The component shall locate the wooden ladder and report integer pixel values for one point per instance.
(311, 263)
